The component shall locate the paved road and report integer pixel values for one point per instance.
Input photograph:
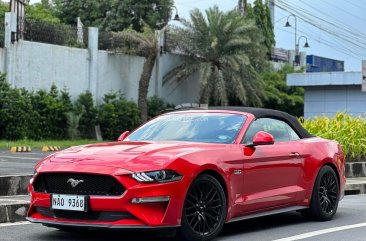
(351, 217)
(19, 163)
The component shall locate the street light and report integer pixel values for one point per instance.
(306, 45)
(297, 40)
(289, 25)
(162, 31)
(297, 55)
(176, 16)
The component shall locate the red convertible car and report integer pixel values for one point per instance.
(192, 171)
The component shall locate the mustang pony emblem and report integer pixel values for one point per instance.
(74, 182)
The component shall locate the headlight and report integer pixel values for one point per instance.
(157, 176)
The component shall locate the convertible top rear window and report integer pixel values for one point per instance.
(195, 127)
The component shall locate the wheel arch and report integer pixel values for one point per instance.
(220, 179)
(326, 162)
(331, 165)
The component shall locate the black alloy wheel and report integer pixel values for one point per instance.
(328, 193)
(204, 210)
(325, 197)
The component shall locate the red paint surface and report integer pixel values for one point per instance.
(271, 176)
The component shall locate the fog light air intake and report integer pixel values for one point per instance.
(150, 199)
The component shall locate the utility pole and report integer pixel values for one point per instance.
(241, 7)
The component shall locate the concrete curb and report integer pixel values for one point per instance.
(355, 169)
(14, 185)
(355, 186)
(13, 211)
(50, 148)
(20, 149)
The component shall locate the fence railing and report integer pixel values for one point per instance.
(54, 33)
(109, 41)
(279, 55)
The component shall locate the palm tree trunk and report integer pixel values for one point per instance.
(144, 84)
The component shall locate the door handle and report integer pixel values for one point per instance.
(294, 154)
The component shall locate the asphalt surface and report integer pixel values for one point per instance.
(352, 210)
(19, 163)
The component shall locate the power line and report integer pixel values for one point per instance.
(355, 38)
(328, 44)
(354, 4)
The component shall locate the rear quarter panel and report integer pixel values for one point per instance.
(319, 152)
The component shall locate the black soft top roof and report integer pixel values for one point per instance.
(269, 113)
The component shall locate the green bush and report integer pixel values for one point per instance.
(16, 115)
(85, 105)
(51, 108)
(117, 115)
(349, 131)
(157, 106)
(43, 115)
(73, 120)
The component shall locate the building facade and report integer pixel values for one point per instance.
(327, 93)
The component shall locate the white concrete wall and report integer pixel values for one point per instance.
(328, 100)
(38, 66)
(327, 93)
(324, 78)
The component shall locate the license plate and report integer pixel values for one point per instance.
(68, 202)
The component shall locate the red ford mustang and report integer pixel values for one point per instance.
(193, 171)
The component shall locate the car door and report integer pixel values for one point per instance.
(271, 174)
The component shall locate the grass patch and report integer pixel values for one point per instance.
(40, 144)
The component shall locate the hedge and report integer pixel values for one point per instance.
(42, 115)
(349, 131)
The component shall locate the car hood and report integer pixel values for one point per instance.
(132, 156)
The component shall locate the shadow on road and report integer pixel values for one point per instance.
(230, 230)
(93, 235)
(262, 224)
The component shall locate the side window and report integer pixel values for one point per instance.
(280, 130)
(293, 135)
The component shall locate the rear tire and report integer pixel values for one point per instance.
(325, 196)
(204, 210)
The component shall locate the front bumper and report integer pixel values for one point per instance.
(139, 215)
(98, 226)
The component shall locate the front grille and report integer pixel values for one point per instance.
(92, 184)
(90, 215)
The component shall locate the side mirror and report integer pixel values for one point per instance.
(263, 138)
(123, 135)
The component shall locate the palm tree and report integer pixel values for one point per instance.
(227, 50)
(143, 44)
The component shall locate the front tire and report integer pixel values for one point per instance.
(325, 197)
(204, 211)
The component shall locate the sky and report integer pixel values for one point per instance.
(342, 21)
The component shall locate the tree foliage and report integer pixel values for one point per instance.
(261, 14)
(4, 7)
(278, 95)
(115, 15)
(85, 105)
(228, 50)
(41, 11)
(144, 44)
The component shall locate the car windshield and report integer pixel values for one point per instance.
(195, 127)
